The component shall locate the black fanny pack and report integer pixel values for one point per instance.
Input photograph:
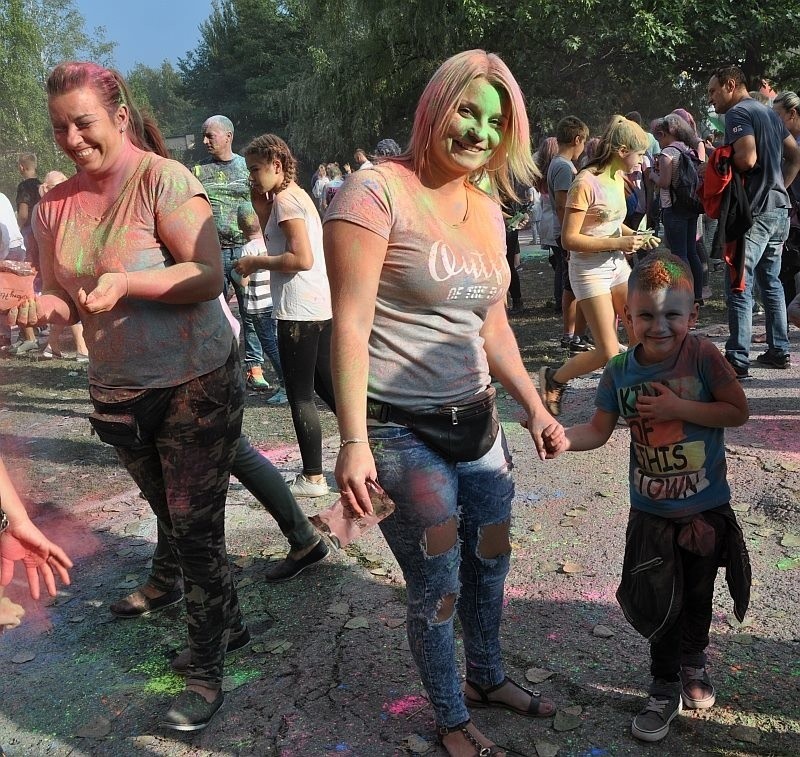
(128, 417)
(457, 432)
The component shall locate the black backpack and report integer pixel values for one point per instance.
(683, 190)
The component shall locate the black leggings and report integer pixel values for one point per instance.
(512, 250)
(305, 350)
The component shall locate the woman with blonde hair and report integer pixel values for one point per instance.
(598, 240)
(416, 260)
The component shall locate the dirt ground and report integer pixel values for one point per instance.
(329, 672)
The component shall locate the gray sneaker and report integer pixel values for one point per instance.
(663, 705)
(697, 690)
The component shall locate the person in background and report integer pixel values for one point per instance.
(300, 295)
(321, 180)
(51, 349)
(571, 134)
(224, 176)
(680, 228)
(547, 150)
(769, 157)
(12, 247)
(598, 240)
(416, 258)
(361, 159)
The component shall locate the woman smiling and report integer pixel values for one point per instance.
(416, 261)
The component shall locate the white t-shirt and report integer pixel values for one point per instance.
(299, 295)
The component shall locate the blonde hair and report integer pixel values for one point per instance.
(620, 132)
(512, 161)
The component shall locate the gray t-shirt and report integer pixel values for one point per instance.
(763, 183)
(559, 179)
(437, 283)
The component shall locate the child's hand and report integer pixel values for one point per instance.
(555, 440)
(665, 406)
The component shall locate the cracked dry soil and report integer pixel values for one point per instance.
(329, 672)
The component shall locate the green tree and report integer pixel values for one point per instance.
(35, 35)
(162, 92)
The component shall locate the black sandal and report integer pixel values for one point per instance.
(534, 709)
(481, 750)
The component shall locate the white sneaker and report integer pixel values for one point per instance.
(302, 487)
(279, 398)
(80, 357)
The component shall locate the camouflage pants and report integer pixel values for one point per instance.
(183, 473)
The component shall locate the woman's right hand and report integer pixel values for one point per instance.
(355, 466)
(629, 243)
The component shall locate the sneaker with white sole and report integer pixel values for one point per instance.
(697, 691)
(302, 487)
(663, 706)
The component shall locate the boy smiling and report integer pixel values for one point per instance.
(676, 393)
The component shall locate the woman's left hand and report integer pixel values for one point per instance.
(24, 541)
(110, 289)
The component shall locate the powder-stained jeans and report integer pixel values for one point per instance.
(430, 491)
(763, 247)
(184, 473)
(253, 354)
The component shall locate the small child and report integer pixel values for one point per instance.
(257, 300)
(677, 393)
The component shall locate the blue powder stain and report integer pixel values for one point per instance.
(384, 716)
(595, 752)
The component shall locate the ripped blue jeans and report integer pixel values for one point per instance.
(449, 533)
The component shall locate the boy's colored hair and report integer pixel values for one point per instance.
(661, 270)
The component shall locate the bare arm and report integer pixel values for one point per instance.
(23, 214)
(745, 155)
(573, 240)
(560, 204)
(505, 364)
(591, 435)
(663, 176)
(298, 256)
(791, 160)
(354, 257)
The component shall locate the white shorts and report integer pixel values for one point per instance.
(594, 273)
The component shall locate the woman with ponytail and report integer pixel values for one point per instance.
(598, 240)
(300, 295)
(128, 246)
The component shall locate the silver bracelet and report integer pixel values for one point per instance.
(3, 521)
(345, 442)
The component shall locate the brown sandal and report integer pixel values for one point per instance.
(480, 749)
(535, 707)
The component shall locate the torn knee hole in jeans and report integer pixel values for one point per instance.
(445, 608)
(493, 540)
(440, 538)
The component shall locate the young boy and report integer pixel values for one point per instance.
(677, 393)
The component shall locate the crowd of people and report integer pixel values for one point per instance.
(383, 292)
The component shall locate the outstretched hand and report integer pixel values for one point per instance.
(39, 555)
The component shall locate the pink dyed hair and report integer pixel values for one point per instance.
(112, 91)
(512, 160)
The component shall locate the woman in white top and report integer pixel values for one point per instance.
(300, 295)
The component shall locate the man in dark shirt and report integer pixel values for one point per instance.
(768, 158)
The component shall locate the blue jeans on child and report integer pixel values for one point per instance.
(430, 492)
